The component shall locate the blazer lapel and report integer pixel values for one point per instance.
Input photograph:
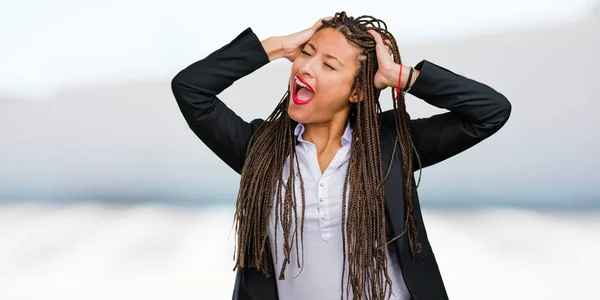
(393, 187)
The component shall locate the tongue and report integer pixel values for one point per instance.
(304, 94)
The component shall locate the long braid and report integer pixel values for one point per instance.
(363, 214)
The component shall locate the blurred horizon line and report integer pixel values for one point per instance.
(204, 202)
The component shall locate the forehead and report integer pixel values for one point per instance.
(332, 42)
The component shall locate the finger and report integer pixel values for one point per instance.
(320, 22)
(380, 47)
(375, 35)
(388, 45)
(389, 49)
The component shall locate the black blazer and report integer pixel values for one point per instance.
(476, 111)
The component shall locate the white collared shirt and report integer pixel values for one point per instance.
(320, 273)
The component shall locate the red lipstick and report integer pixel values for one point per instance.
(297, 87)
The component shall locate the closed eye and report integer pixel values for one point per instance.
(329, 66)
(305, 53)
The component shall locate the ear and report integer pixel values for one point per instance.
(355, 96)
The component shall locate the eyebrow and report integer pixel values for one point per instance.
(326, 55)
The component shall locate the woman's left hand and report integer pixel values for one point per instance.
(387, 67)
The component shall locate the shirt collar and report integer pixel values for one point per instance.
(346, 136)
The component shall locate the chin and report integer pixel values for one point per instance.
(296, 115)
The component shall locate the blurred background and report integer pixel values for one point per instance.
(105, 193)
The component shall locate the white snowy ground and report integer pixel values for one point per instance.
(154, 252)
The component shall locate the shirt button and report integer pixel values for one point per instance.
(321, 199)
(324, 217)
(321, 184)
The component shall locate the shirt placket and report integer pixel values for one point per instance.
(323, 205)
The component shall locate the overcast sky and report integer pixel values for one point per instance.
(49, 44)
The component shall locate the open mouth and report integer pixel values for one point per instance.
(302, 91)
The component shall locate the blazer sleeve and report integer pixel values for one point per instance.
(196, 87)
(475, 112)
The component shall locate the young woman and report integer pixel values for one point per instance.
(327, 206)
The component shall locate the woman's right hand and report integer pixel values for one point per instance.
(292, 44)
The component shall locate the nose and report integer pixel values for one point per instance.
(306, 67)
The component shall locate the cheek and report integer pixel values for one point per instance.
(335, 94)
(332, 100)
(294, 68)
(293, 71)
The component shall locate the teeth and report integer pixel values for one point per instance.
(300, 83)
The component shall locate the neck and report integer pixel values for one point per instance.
(325, 135)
